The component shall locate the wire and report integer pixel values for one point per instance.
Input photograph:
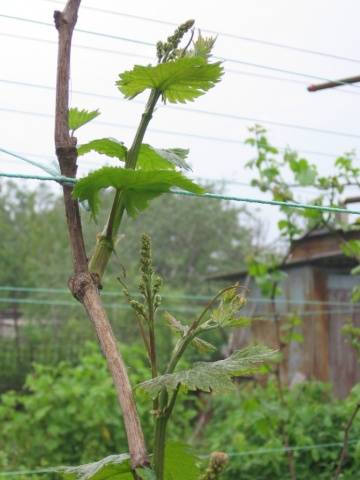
(64, 303)
(164, 132)
(304, 206)
(88, 32)
(121, 306)
(39, 471)
(223, 34)
(24, 176)
(280, 70)
(8, 288)
(148, 57)
(203, 180)
(142, 42)
(258, 451)
(5, 288)
(263, 451)
(85, 47)
(198, 111)
(31, 162)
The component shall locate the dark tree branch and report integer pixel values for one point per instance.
(65, 144)
(344, 448)
(84, 285)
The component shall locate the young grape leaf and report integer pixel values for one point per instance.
(180, 80)
(304, 172)
(151, 158)
(113, 467)
(177, 327)
(227, 313)
(138, 186)
(203, 346)
(212, 376)
(180, 463)
(202, 47)
(105, 146)
(77, 118)
(351, 248)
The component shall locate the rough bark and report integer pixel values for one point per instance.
(84, 285)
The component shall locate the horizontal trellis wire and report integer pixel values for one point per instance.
(260, 451)
(68, 180)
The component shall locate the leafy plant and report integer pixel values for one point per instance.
(315, 421)
(271, 169)
(36, 436)
(216, 377)
(182, 74)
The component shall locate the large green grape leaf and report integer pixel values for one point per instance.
(179, 81)
(151, 158)
(105, 146)
(212, 376)
(113, 467)
(77, 118)
(138, 186)
(180, 463)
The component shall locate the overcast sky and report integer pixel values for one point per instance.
(329, 26)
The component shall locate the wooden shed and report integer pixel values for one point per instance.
(318, 288)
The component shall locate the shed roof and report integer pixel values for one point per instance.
(319, 248)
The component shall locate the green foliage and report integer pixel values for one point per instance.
(348, 172)
(227, 313)
(289, 331)
(267, 274)
(352, 334)
(182, 330)
(151, 158)
(145, 474)
(355, 296)
(138, 186)
(202, 47)
(304, 172)
(68, 414)
(77, 118)
(351, 249)
(105, 146)
(187, 247)
(213, 377)
(271, 169)
(180, 463)
(280, 175)
(246, 425)
(179, 81)
(55, 423)
(113, 467)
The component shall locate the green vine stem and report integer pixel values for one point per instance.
(165, 407)
(105, 242)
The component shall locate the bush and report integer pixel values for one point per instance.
(251, 421)
(68, 414)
